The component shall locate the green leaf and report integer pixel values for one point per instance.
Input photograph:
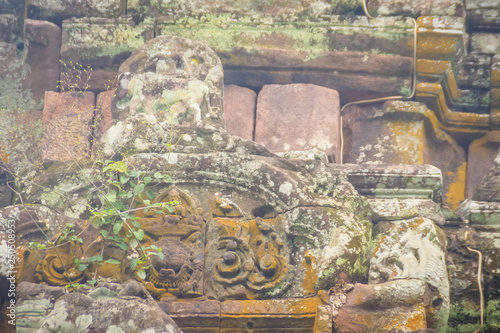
(159, 255)
(136, 224)
(133, 264)
(123, 246)
(94, 258)
(167, 178)
(133, 243)
(104, 233)
(82, 267)
(95, 221)
(138, 189)
(113, 261)
(120, 167)
(92, 282)
(142, 274)
(158, 175)
(146, 180)
(117, 227)
(151, 194)
(139, 234)
(111, 196)
(124, 179)
(170, 209)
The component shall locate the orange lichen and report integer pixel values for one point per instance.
(456, 189)
(311, 275)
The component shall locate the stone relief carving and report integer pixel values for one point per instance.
(180, 237)
(245, 258)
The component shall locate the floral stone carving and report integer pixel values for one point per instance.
(245, 258)
(180, 237)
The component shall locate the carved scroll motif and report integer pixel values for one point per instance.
(247, 259)
(58, 266)
(180, 236)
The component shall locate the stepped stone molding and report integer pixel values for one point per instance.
(457, 123)
(480, 212)
(386, 181)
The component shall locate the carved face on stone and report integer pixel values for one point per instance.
(172, 79)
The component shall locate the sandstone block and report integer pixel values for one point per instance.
(298, 117)
(417, 7)
(10, 27)
(44, 47)
(489, 187)
(480, 157)
(56, 11)
(103, 117)
(256, 8)
(93, 48)
(485, 43)
(385, 307)
(333, 52)
(21, 137)
(398, 133)
(239, 111)
(66, 125)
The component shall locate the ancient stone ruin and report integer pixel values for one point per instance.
(250, 166)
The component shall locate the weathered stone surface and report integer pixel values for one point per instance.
(392, 209)
(103, 117)
(99, 44)
(480, 212)
(57, 11)
(21, 141)
(328, 245)
(284, 111)
(66, 125)
(10, 27)
(194, 316)
(44, 46)
(398, 306)
(485, 43)
(307, 8)
(6, 184)
(291, 315)
(414, 249)
(326, 53)
(480, 157)
(417, 8)
(110, 307)
(401, 181)
(34, 303)
(483, 14)
(495, 92)
(13, 70)
(489, 187)
(239, 111)
(397, 132)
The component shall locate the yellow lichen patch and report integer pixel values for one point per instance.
(434, 45)
(411, 321)
(311, 274)
(273, 307)
(407, 142)
(456, 189)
